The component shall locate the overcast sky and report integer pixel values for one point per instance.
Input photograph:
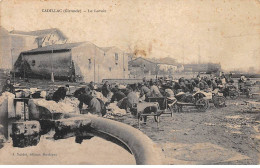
(220, 31)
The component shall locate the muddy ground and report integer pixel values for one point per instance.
(217, 136)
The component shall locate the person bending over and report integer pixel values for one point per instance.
(60, 94)
(8, 87)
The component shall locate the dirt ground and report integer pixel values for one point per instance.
(217, 136)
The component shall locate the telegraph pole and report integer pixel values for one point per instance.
(95, 65)
(23, 68)
(98, 73)
(52, 73)
(199, 57)
(183, 54)
(124, 65)
(13, 63)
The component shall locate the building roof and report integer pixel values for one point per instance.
(106, 48)
(55, 47)
(3, 31)
(164, 60)
(153, 61)
(203, 67)
(201, 64)
(142, 59)
(168, 64)
(40, 33)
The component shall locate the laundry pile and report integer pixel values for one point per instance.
(68, 105)
(99, 95)
(114, 110)
(70, 102)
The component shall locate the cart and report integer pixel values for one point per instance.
(197, 100)
(214, 97)
(231, 91)
(165, 103)
(201, 104)
(146, 109)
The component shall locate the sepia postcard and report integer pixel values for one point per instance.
(126, 82)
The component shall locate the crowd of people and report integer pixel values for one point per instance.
(126, 97)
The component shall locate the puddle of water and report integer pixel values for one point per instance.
(259, 157)
(256, 136)
(173, 161)
(256, 128)
(233, 126)
(202, 155)
(236, 157)
(93, 151)
(234, 117)
(180, 130)
(199, 153)
(210, 124)
(236, 132)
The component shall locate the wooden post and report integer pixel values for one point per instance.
(52, 74)
(95, 66)
(23, 69)
(123, 65)
(13, 64)
(138, 121)
(98, 73)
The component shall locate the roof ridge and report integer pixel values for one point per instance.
(144, 59)
(55, 47)
(39, 32)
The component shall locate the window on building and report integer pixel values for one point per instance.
(89, 64)
(116, 56)
(110, 69)
(33, 62)
(39, 45)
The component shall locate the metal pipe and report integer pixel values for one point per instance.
(145, 151)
